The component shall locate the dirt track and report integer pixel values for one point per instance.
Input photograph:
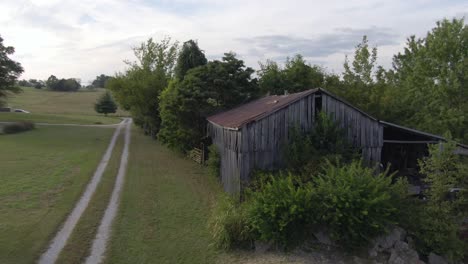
(60, 239)
(100, 241)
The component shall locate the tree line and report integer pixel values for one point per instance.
(170, 88)
(426, 87)
(38, 84)
(64, 84)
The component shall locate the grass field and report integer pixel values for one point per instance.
(58, 119)
(78, 246)
(58, 107)
(43, 172)
(164, 208)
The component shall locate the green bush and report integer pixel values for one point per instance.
(281, 210)
(258, 179)
(435, 230)
(307, 150)
(214, 161)
(354, 203)
(105, 104)
(299, 149)
(435, 223)
(18, 127)
(328, 138)
(229, 224)
(350, 200)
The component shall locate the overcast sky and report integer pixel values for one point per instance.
(84, 38)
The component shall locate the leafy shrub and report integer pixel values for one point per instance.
(214, 161)
(229, 224)
(259, 178)
(354, 203)
(317, 164)
(436, 230)
(309, 149)
(299, 149)
(436, 222)
(328, 138)
(18, 127)
(281, 210)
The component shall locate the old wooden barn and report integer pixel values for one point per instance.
(252, 135)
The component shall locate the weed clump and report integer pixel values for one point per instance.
(18, 127)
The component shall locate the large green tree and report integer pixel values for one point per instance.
(272, 78)
(206, 89)
(431, 77)
(363, 65)
(301, 76)
(52, 82)
(190, 57)
(297, 75)
(10, 70)
(100, 81)
(38, 84)
(68, 85)
(62, 85)
(364, 82)
(138, 88)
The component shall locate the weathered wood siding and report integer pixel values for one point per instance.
(259, 144)
(263, 140)
(228, 142)
(364, 132)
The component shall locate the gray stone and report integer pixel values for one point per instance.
(401, 246)
(262, 247)
(373, 252)
(358, 260)
(395, 258)
(403, 254)
(436, 259)
(323, 238)
(386, 242)
(410, 242)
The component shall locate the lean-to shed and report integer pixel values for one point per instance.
(252, 135)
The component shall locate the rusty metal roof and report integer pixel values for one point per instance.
(255, 110)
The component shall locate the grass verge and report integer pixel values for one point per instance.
(165, 205)
(79, 244)
(43, 173)
(58, 118)
(52, 102)
(58, 107)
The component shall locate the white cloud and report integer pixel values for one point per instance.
(85, 38)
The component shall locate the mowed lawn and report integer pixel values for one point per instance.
(43, 173)
(58, 107)
(165, 205)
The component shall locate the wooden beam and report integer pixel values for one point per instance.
(412, 141)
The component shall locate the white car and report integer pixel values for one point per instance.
(21, 111)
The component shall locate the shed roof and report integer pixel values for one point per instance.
(462, 148)
(411, 130)
(241, 115)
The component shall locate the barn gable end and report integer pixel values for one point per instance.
(252, 136)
